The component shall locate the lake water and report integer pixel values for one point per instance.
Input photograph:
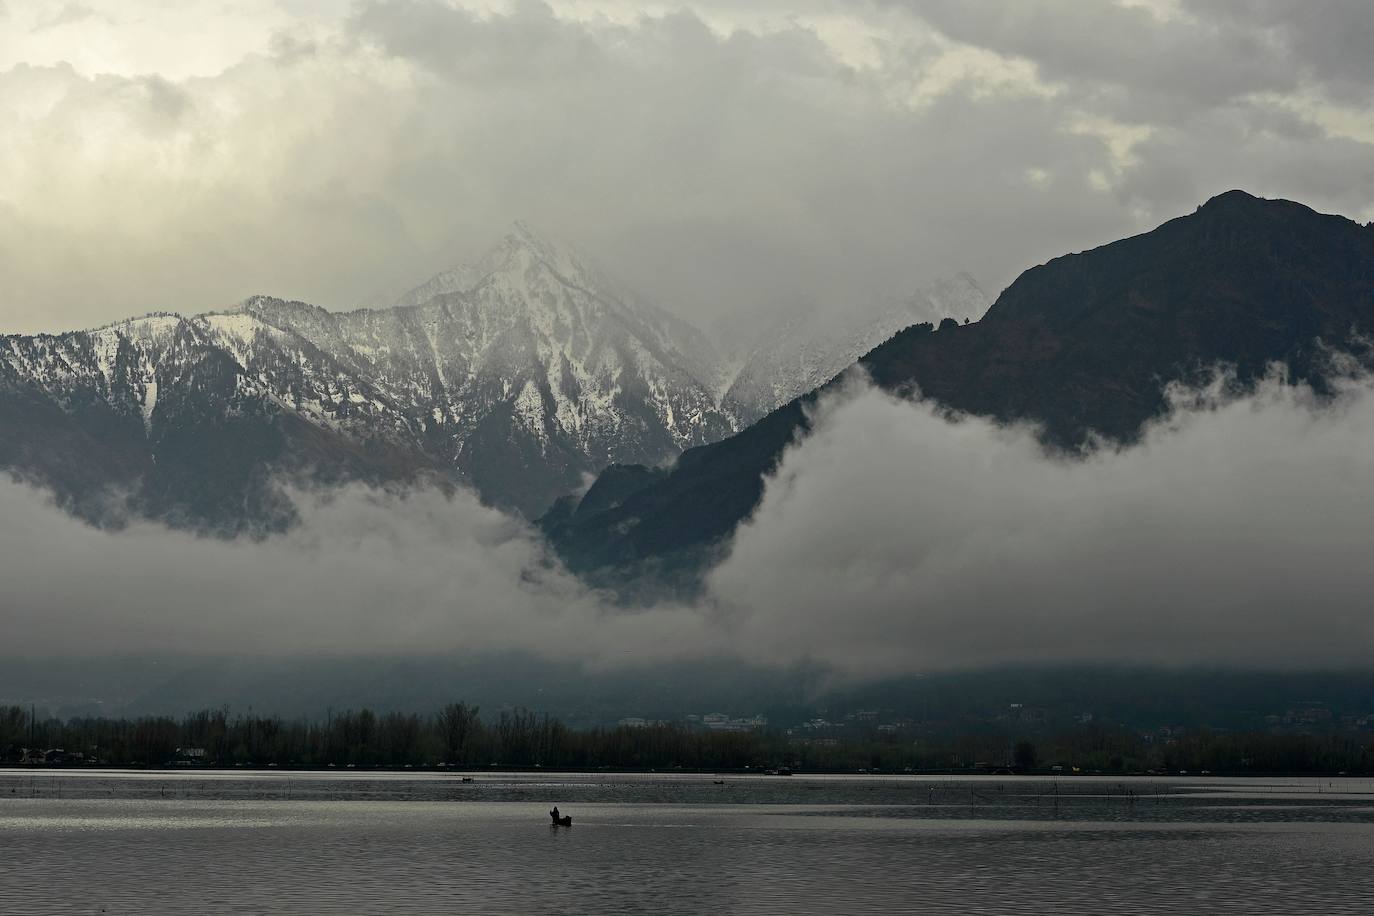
(346, 842)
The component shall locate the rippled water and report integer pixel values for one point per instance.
(339, 843)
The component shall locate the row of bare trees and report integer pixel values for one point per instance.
(458, 736)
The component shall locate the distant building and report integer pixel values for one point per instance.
(638, 722)
(720, 722)
(53, 756)
(190, 757)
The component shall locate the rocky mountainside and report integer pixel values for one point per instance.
(1084, 345)
(528, 370)
(518, 375)
(189, 419)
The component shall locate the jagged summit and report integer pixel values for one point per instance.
(516, 260)
(523, 239)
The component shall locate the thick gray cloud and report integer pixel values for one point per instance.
(1165, 65)
(1330, 41)
(1238, 532)
(891, 541)
(365, 571)
(719, 157)
(1270, 95)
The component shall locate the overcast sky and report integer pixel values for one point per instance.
(183, 154)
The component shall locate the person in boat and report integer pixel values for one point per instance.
(554, 814)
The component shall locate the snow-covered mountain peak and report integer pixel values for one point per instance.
(523, 261)
(522, 236)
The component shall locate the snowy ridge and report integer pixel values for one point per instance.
(518, 374)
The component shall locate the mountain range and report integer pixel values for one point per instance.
(1083, 346)
(521, 376)
(640, 442)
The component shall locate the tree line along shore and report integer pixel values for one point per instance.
(458, 736)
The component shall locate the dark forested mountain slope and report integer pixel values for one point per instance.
(1083, 345)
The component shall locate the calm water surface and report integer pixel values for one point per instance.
(138, 843)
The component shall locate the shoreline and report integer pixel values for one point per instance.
(10, 768)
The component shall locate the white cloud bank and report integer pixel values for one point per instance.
(365, 571)
(1237, 532)
(891, 541)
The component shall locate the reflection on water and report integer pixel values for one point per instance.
(301, 843)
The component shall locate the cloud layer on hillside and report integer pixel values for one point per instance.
(364, 572)
(891, 541)
(1237, 532)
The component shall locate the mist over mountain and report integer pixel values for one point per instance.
(1085, 347)
(801, 349)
